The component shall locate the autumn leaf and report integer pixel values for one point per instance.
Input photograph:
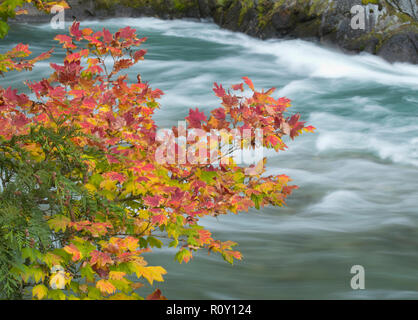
(40, 291)
(52, 259)
(153, 201)
(59, 222)
(98, 229)
(66, 41)
(160, 219)
(208, 176)
(195, 118)
(219, 113)
(72, 249)
(219, 90)
(248, 82)
(105, 287)
(136, 285)
(230, 255)
(150, 273)
(116, 275)
(285, 128)
(130, 243)
(86, 32)
(107, 36)
(138, 55)
(273, 140)
(204, 236)
(309, 129)
(58, 281)
(238, 87)
(90, 188)
(100, 259)
(183, 255)
(109, 185)
(75, 30)
(156, 295)
(126, 33)
(257, 169)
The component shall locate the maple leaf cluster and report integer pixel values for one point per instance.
(109, 199)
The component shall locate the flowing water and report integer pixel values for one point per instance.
(358, 175)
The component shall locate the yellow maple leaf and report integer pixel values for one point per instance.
(116, 275)
(58, 280)
(39, 291)
(90, 188)
(131, 243)
(109, 185)
(59, 222)
(105, 286)
(150, 273)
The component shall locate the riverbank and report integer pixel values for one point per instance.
(390, 26)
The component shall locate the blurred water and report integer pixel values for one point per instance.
(358, 175)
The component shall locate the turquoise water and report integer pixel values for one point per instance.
(358, 175)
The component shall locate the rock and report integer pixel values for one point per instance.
(205, 8)
(281, 21)
(401, 47)
(409, 7)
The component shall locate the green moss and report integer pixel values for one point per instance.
(133, 3)
(157, 5)
(223, 3)
(245, 6)
(365, 2)
(317, 7)
(105, 4)
(183, 5)
(265, 9)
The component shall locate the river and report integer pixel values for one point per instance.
(358, 174)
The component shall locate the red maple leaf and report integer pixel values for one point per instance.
(219, 113)
(100, 259)
(219, 91)
(107, 36)
(75, 31)
(126, 33)
(160, 219)
(248, 82)
(156, 295)
(238, 87)
(115, 176)
(195, 117)
(152, 201)
(139, 54)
